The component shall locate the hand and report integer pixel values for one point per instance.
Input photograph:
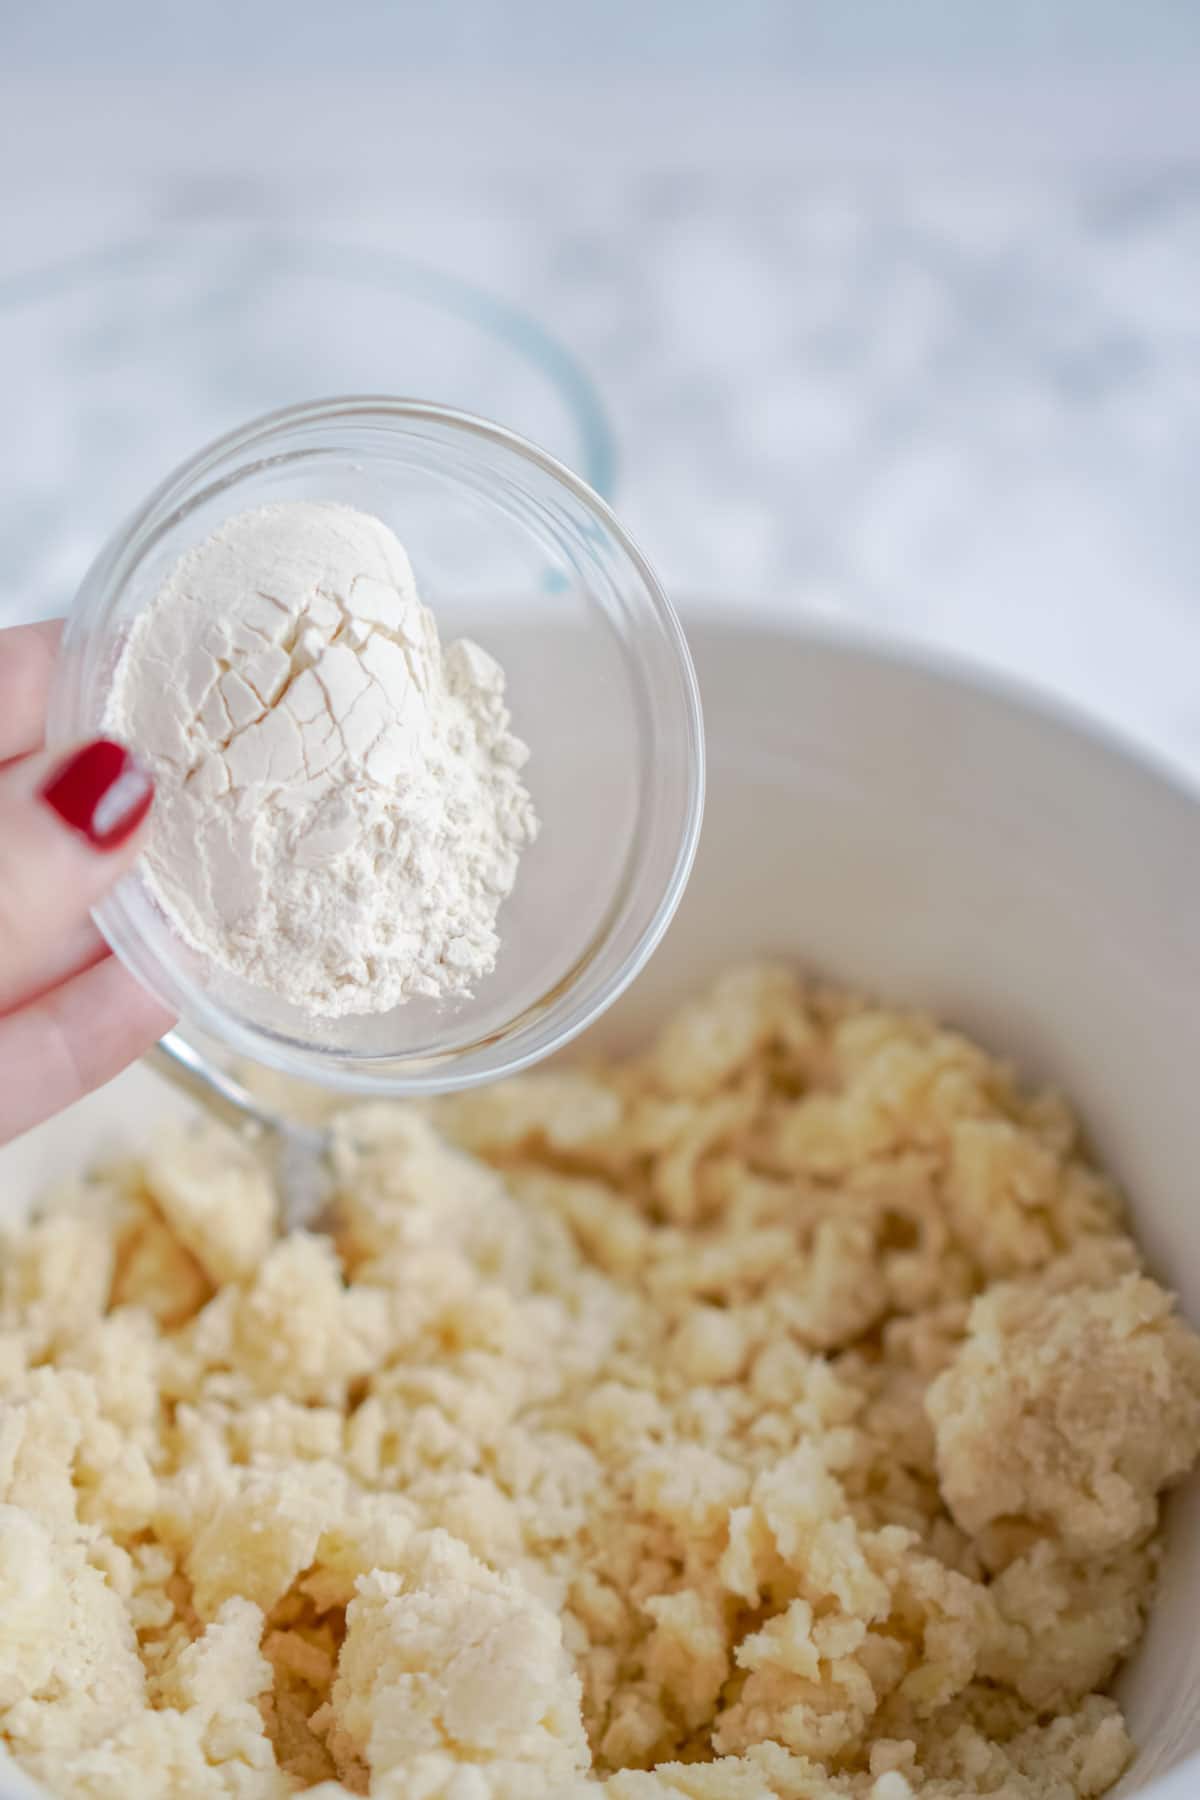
(70, 824)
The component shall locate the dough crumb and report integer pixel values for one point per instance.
(782, 1414)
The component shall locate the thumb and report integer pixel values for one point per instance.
(69, 827)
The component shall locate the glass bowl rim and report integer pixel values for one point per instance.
(456, 296)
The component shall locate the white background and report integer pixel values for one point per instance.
(893, 311)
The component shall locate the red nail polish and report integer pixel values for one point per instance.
(101, 791)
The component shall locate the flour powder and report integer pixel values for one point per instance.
(340, 806)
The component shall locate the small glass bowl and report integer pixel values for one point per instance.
(508, 548)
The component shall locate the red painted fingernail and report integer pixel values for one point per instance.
(101, 791)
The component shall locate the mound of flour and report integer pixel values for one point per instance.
(340, 807)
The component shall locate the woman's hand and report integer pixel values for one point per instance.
(70, 824)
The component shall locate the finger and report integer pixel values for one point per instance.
(27, 654)
(72, 1040)
(77, 951)
(68, 828)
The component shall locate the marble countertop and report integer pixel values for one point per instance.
(955, 399)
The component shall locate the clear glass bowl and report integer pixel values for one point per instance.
(513, 550)
(119, 361)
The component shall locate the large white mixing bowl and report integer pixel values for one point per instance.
(919, 833)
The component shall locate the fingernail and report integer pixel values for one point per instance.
(101, 791)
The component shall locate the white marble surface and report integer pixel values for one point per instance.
(928, 366)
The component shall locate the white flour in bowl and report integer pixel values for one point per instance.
(340, 807)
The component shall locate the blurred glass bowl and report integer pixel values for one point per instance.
(118, 363)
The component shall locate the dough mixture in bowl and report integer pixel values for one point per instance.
(782, 1413)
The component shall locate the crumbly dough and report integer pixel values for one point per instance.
(782, 1413)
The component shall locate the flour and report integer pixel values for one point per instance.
(340, 807)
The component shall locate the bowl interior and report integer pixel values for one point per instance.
(917, 834)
